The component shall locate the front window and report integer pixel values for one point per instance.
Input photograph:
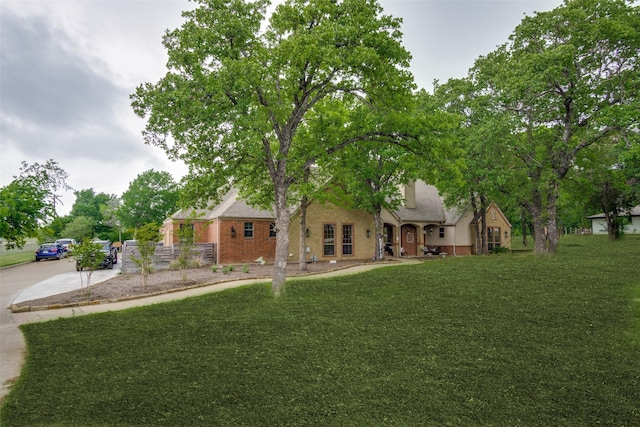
(248, 229)
(493, 238)
(272, 229)
(442, 232)
(347, 239)
(329, 239)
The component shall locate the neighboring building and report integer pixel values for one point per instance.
(243, 234)
(599, 222)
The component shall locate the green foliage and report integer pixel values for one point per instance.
(241, 85)
(30, 200)
(151, 197)
(80, 228)
(147, 237)
(554, 90)
(88, 256)
(469, 341)
(184, 261)
(214, 268)
(90, 204)
(22, 206)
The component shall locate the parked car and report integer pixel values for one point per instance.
(109, 255)
(67, 243)
(50, 251)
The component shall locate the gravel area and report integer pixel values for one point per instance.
(129, 286)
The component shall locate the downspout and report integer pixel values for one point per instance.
(454, 240)
(218, 243)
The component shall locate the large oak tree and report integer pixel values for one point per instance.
(240, 85)
(568, 79)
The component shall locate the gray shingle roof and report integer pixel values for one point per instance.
(429, 207)
(231, 206)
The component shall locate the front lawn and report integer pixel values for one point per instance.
(7, 260)
(509, 339)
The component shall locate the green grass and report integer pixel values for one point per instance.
(16, 258)
(509, 339)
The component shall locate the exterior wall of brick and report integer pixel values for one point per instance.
(241, 249)
(200, 231)
(319, 214)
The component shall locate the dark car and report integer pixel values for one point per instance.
(50, 251)
(109, 255)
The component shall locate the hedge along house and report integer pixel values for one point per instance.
(243, 234)
(239, 232)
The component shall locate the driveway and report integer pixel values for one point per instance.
(25, 282)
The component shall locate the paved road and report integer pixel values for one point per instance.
(22, 283)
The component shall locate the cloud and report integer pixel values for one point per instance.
(52, 96)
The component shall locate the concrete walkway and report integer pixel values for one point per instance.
(63, 283)
(56, 284)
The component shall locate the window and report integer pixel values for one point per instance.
(347, 239)
(329, 239)
(248, 229)
(272, 229)
(186, 232)
(493, 238)
(442, 232)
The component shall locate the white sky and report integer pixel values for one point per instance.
(67, 68)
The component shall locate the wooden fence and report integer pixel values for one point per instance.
(165, 255)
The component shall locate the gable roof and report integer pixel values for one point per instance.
(231, 206)
(429, 207)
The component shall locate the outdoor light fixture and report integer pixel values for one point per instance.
(368, 234)
(307, 232)
(233, 232)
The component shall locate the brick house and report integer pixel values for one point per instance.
(240, 232)
(243, 234)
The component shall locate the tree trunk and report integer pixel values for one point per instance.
(302, 254)
(476, 224)
(553, 233)
(483, 225)
(282, 243)
(539, 235)
(379, 225)
(613, 224)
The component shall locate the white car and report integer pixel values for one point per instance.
(67, 244)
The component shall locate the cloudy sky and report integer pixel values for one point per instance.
(67, 68)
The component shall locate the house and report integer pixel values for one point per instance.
(599, 222)
(422, 225)
(240, 233)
